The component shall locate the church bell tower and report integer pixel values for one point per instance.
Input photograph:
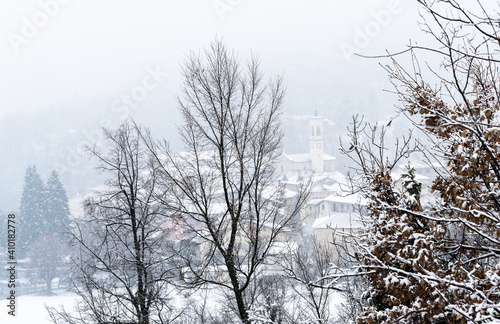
(316, 150)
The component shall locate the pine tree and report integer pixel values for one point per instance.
(32, 211)
(56, 204)
(44, 209)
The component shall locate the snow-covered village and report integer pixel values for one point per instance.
(280, 162)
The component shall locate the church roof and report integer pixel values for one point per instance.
(298, 158)
(305, 157)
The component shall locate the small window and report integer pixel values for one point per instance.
(318, 131)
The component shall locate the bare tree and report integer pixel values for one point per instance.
(311, 269)
(223, 190)
(121, 262)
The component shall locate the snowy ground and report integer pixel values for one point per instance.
(31, 309)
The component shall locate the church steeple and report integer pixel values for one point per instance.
(316, 142)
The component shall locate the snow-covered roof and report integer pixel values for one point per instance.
(306, 157)
(422, 165)
(339, 221)
(298, 158)
(322, 178)
(218, 208)
(346, 199)
(315, 201)
(280, 248)
(330, 175)
(272, 192)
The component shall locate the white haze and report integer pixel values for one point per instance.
(63, 82)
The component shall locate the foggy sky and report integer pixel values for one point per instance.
(99, 49)
(98, 62)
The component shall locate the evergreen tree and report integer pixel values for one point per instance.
(32, 211)
(56, 204)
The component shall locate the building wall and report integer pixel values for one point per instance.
(329, 165)
(285, 165)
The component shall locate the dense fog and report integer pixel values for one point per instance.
(66, 77)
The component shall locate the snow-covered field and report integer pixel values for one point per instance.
(31, 309)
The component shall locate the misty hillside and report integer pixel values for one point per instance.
(55, 138)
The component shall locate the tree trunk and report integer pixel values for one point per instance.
(48, 281)
(242, 309)
(238, 293)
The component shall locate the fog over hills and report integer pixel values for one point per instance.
(75, 73)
